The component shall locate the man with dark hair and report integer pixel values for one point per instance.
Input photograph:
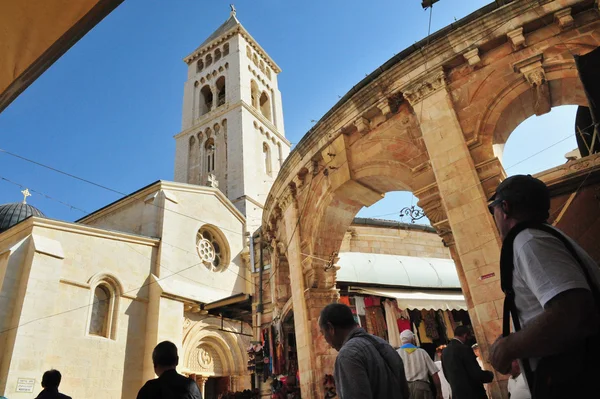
(169, 384)
(366, 367)
(50, 382)
(461, 369)
(551, 287)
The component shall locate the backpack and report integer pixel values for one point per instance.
(567, 375)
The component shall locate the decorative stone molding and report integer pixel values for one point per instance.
(288, 197)
(564, 19)
(533, 71)
(472, 56)
(385, 108)
(431, 203)
(362, 124)
(490, 173)
(443, 229)
(516, 38)
(418, 90)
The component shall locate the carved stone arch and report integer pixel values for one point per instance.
(108, 278)
(216, 129)
(208, 132)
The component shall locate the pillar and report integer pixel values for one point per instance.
(201, 381)
(476, 245)
(315, 358)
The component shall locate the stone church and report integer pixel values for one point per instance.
(167, 262)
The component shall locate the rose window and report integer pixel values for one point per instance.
(209, 249)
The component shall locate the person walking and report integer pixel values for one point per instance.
(461, 369)
(366, 367)
(446, 390)
(169, 384)
(418, 366)
(551, 288)
(50, 382)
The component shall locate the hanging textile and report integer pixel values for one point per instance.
(403, 324)
(345, 300)
(415, 317)
(449, 324)
(391, 318)
(376, 321)
(372, 301)
(430, 324)
(359, 302)
(416, 334)
(425, 339)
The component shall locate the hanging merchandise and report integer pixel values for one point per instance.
(415, 317)
(403, 324)
(266, 371)
(430, 324)
(359, 302)
(449, 324)
(376, 321)
(345, 300)
(391, 319)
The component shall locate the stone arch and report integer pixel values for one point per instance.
(228, 345)
(217, 54)
(225, 49)
(206, 100)
(265, 105)
(254, 93)
(221, 92)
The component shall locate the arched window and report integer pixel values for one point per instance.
(199, 65)
(225, 49)
(209, 148)
(103, 311)
(206, 100)
(262, 65)
(208, 60)
(265, 105)
(220, 91)
(217, 55)
(267, 158)
(254, 93)
(248, 52)
(212, 248)
(193, 161)
(280, 154)
(255, 59)
(268, 70)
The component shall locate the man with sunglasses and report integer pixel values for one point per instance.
(549, 282)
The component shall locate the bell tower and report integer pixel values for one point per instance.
(232, 135)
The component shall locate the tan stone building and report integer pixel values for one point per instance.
(167, 262)
(432, 120)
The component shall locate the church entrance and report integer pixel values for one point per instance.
(215, 387)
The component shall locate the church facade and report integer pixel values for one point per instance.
(168, 262)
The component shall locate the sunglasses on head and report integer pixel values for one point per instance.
(492, 204)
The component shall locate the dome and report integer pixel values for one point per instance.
(11, 214)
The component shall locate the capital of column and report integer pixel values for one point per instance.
(533, 71)
(424, 86)
(288, 197)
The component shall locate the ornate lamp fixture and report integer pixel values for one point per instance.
(412, 211)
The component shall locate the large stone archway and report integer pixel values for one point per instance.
(215, 348)
(426, 122)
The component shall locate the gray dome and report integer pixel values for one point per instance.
(11, 214)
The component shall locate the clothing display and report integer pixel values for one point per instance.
(359, 303)
(391, 318)
(345, 300)
(403, 324)
(430, 324)
(376, 321)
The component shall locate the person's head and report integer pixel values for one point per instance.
(517, 199)
(407, 337)
(336, 322)
(51, 379)
(164, 357)
(462, 333)
(476, 350)
(515, 369)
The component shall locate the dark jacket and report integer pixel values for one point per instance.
(52, 393)
(463, 373)
(170, 385)
(367, 367)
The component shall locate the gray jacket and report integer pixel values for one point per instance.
(367, 367)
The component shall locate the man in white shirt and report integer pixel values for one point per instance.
(554, 302)
(517, 387)
(418, 366)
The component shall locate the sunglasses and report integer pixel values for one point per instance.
(492, 204)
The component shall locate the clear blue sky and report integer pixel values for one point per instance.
(107, 110)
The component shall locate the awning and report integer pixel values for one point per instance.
(397, 270)
(418, 299)
(35, 33)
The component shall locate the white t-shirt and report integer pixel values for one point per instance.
(544, 268)
(418, 366)
(446, 390)
(517, 387)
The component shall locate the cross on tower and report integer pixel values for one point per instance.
(25, 195)
(212, 181)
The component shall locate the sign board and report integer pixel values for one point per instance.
(25, 385)
(486, 276)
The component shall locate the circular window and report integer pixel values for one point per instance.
(211, 249)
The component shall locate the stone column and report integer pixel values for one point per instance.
(476, 241)
(314, 357)
(201, 381)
